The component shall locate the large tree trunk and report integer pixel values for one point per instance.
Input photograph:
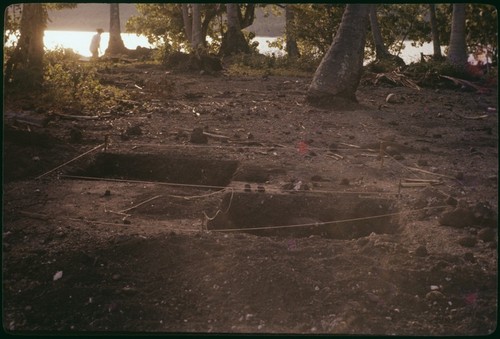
(233, 41)
(25, 67)
(291, 44)
(457, 53)
(381, 51)
(339, 73)
(188, 26)
(436, 44)
(196, 39)
(115, 45)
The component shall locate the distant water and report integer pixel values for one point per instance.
(80, 41)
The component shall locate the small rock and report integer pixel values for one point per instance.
(486, 234)
(422, 162)
(398, 157)
(75, 135)
(467, 241)
(460, 217)
(107, 193)
(134, 130)
(124, 136)
(126, 221)
(469, 257)
(129, 290)
(421, 251)
(344, 181)
(198, 137)
(391, 150)
(362, 241)
(434, 296)
(451, 201)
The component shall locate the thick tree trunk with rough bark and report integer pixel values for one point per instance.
(457, 52)
(380, 49)
(196, 39)
(339, 73)
(291, 44)
(115, 45)
(233, 41)
(188, 28)
(381, 52)
(436, 44)
(25, 67)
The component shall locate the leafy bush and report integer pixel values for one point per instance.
(73, 85)
(260, 64)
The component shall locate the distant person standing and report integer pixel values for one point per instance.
(95, 44)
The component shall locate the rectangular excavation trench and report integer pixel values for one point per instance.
(242, 210)
(178, 175)
(178, 169)
(246, 211)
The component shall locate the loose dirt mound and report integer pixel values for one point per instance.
(280, 217)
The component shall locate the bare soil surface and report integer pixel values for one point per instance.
(227, 204)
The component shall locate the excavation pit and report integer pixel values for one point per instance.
(337, 216)
(177, 169)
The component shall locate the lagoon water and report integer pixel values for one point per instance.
(79, 41)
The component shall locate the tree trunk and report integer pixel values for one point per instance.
(435, 33)
(233, 41)
(457, 52)
(25, 67)
(188, 28)
(381, 51)
(248, 17)
(339, 73)
(115, 45)
(196, 27)
(291, 44)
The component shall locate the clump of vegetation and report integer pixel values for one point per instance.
(264, 64)
(429, 73)
(73, 86)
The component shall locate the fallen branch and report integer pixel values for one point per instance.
(35, 215)
(472, 117)
(216, 136)
(78, 117)
(335, 156)
(432, 181)
(419, 184)
(350, 145)
(398, 78)
(465, 83)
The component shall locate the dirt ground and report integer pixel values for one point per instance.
(227, 204)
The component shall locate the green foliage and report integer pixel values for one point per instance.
(315, 26)
(71, 85)
(163, 25)
(265, 65)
